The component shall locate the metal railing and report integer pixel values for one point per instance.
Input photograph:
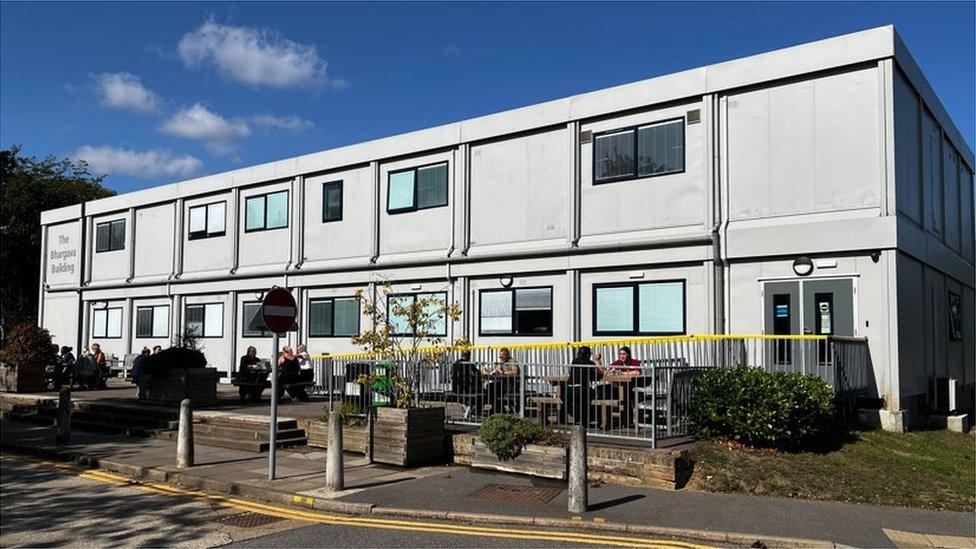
(649, 401)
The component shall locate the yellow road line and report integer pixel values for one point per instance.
(340, 520)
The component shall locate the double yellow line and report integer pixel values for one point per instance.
(362, 522)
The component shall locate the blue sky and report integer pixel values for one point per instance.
(152, 93)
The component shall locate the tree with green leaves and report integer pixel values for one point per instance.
(28, 186)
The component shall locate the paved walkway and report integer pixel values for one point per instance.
(442, 489)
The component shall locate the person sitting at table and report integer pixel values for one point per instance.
(466, 384)
(503, 381)
(579, 388)
(248, 364)
(625, 364)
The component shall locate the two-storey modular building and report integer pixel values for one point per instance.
(819, 189)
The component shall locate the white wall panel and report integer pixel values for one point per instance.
(154, 241)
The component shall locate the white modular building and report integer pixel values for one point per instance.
(816, 189)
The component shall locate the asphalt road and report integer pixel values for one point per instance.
(50, 504)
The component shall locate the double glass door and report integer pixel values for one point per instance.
(808, 306)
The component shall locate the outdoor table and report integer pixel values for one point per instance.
(559, 383)
(619, 385)
(501, 388)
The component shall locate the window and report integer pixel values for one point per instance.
(333, 317)
(400, 324)
(205, 320)
(332, 201)
(152, 321)
(107, 323)
(417, 188)
(110, 236)
(641, 151)
(651, 308)
(266, 211)
(522, 311)
(251, 309)
(207, 220)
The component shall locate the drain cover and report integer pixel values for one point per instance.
(516, 493)
(248, 520)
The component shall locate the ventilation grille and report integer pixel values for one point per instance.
(694, 116)
(586, 137)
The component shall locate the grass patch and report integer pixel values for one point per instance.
(927, 469)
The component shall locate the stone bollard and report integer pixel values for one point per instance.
(578, 489)
(334, 475)
(184, 437)
(64, 416)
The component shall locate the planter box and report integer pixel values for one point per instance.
(408, 436)
(21, 380)
(173, 385)
(535, 460)
(354, 437)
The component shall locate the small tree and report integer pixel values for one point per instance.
(29, 346)
(403, 329)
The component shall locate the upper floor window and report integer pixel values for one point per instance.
(110, 236)
(398, 307)
(332, 201)
(333, 317)
(107, 323)
(204, 320)
(417, 188)
(641, 151)
(207, 220)
(152, 321)
(266, 211)
(252, 309)
(649, 308)
(522, 311)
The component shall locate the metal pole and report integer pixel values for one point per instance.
(273, 438)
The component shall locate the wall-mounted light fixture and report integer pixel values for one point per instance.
(802, 266)
(876, 256)
(416, 287)
(635, 274)
(505, 281)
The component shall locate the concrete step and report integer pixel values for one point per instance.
(244, 433)
(123, 421)
(242, 421)
(256, 446)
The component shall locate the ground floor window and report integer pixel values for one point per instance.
(520, 311)
(107, 323)
(152, 321)
(646, 308)
(252, 309)
(204, 320)
(333, 317)
(398, 304)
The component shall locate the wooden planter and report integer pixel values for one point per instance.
(535, 460)
(14, 379)
(408, 436)
(174, 384)
(354, 437)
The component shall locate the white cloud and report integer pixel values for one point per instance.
(121, 90)
(152, 163)
(292, 124)
(202, 124)
(255, 57)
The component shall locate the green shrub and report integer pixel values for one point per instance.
(29, 346)
(173, 357)
(782, 410)
(506, 435)
(349, 413)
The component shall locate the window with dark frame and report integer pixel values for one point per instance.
(107, 323)
(643, 308)
(264, 212)
(641, 151)
(152, 321)
(207, 220)
(332, 201)
(250, 309)
(204, 320)
(110, 236)
(417, 188)
(333, 317)
(401, 326)
(516, 312)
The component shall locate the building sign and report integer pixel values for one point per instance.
(955, 316)
(63, 254)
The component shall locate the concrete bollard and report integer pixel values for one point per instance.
(184, 437)
(64, 416)
(335, 479)
(578, 488)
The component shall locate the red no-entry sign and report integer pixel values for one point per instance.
(278, 310)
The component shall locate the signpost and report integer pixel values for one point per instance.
(278, 311)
